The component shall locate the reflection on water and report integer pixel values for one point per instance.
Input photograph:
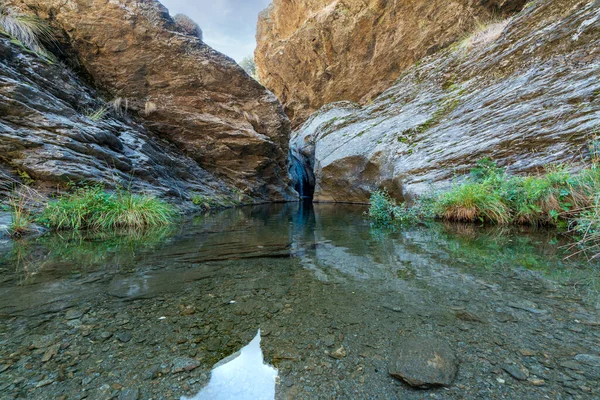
(99, 312)
(241, 376)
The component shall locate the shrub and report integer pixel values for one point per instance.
(27, 30)
(384, 210)
(187, 25)
(93, 208)
(249, 65)
(381, 211)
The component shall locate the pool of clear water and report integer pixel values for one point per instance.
(149, 315)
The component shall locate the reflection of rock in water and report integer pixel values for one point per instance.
(241, 376)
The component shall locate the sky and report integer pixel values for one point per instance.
(229, 26)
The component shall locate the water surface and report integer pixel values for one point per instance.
(150, 315)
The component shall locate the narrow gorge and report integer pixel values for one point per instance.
(390, 199)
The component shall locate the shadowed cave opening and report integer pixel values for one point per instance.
(302, 175)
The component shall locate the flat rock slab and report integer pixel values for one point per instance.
(424, 362)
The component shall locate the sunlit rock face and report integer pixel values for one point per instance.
(180, 89)
(524, 92)
(314, 52)
(242, 376)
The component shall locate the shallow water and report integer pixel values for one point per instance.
(148, 316)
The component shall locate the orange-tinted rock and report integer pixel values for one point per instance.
(314, 52)
(524, 93)
(183, 90)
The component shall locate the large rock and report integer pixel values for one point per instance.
(46, 133)
(314, 52)
(424, 362)
(182, 89)
(524, 92)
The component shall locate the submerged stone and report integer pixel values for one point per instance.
(424, 362)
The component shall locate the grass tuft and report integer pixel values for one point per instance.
(93, 208)
(27, 30)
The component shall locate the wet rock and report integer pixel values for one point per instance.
(329, 340)
(41, 342)
(51, 352)
(424, 362)
(74, 314)
(468, 316)
(182, 364)
(338, 353)
(592, 360)
(526, 306)
(518, 372)
(129, 394)
(124, 336)
(104, 335)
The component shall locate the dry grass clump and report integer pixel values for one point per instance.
(27, 30)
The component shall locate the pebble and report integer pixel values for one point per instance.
(74, 314)
(519, 373)
(339, 353)
(124, 336)
(588, 359)
(181, 364)
(129, 394)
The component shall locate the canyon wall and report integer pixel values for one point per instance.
(181, 91)
(524, 92)
(314, 52)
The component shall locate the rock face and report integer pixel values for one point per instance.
(181, 89)
(424, 362)
(314, 52)
(524, 92)
(45, 131)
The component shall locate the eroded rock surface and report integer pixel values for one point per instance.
(182, 90)
(311, 53)
(46, 132)
(525, 93)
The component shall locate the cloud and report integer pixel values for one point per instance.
(229, 26)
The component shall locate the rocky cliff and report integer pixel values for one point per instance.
(201, 118)
(314, 52)
(524, 92)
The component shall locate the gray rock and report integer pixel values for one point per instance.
(424, 362)
(129, 394)
(73, 314)
(124, 336)
(182, 364)
(519, 373)
(588, 359)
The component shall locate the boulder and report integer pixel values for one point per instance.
(424, 362)
(315, 52)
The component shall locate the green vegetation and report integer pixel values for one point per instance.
(98, 114)
(385, 211)
(490, 195)
(27, 31)
(21, 218)
(218, 202)
(92, 208)
(249, 65)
